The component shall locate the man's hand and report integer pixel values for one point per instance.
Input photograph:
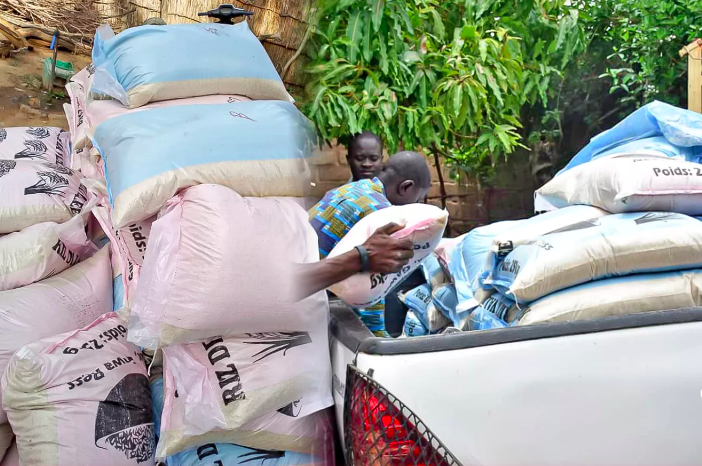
(385, 253)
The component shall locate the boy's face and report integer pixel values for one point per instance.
(365, 158)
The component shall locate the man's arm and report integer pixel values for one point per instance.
(385, 255)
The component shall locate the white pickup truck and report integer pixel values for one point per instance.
(609, 392)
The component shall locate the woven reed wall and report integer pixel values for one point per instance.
(281, 23)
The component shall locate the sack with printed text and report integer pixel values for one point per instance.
(630, 184)
(81, 398)
(423, 225)
(64, 302)
(155, 63)
(35, 192)
(40, 144)
(293, 427)
(236, 455)
(620, 244)
(41, 251)
(419, 300)
(614, 297)
(150, 155)
(212, 232)
(227, 383)
(413, 326)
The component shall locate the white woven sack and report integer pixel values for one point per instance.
(423, 225)
(81, 398)
(630, 184)
(614, 296)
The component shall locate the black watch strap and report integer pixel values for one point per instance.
(365, 262)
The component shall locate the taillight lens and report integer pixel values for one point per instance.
(381, 431)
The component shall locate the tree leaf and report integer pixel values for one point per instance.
(378, 9)
(457, 98)
(439, 29)
(354, 31)
(483, 46)
(384, 63)
(367, 27)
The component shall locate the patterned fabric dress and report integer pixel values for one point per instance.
(335, 215)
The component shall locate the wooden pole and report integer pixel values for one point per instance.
(694, 79)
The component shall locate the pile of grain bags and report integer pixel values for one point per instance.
(201, 166)
(620, 238)
(54, 281)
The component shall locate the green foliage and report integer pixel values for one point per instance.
(642, 40)
(451, 76)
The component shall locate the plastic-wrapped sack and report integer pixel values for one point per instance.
(657, 146)
(34, 192)
(482, 319)
(64, 302)
(443, 253)
(227, 382)
(630, 184)
(432, 271)
(11, 457)
(152, 154)
(122, 266)
(620, 244)
(424, 226)
(41, 251)
(413, 326)
(681, 128)
(41, 144)
(212, 453)
(81, 398)
(211, 230)
(468, 261)
(287, 429)
(235, 455)
(6, 441)
(154, 63)
(419, 300)
(614, 296)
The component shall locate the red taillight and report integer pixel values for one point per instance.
(381, 431)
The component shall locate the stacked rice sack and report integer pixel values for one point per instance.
(621, 236)
(201, 165)
(55, 284)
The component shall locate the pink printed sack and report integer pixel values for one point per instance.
(81, 398)
(287, 429)
(64, 302)
(212, 262)
(227, 382)
(41, 251)
(34, 192)
(41, 144)
(424, 226)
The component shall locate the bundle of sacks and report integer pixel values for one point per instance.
(621, 236)
(200, 168)
(73, 391)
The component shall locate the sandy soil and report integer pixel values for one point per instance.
(22, 101)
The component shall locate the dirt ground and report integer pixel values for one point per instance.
(22, 100)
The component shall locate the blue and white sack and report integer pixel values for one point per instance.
(155, 63)
(614, 296)
(432, 271)
(413, 326)
(256, 148)
(419, 300)
(681, 128)
(614, 245)
(235, 455)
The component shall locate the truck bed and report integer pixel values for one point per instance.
(615, 391)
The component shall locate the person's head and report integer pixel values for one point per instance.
(406, 178)
(365, 156)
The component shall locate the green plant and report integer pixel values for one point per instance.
(451, 77)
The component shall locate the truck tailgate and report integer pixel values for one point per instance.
(620, 391)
